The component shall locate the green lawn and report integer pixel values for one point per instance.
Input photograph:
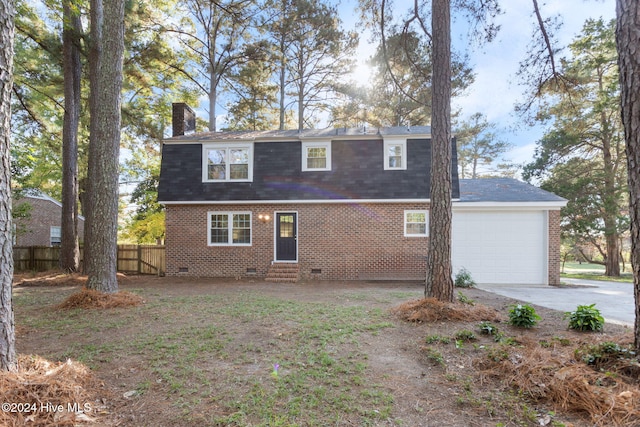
(575, 270)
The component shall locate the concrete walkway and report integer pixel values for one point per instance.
(613, 299)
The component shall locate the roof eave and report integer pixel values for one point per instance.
(515, 205)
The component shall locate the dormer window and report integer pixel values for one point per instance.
(395, 154)
(316, 156)
(231, 162)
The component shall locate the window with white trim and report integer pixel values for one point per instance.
(395, 154)
(232, 162)
(55, 235)
(229, 228)
(416, 223)
(316, 156)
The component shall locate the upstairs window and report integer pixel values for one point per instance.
(229, 228)
(228, 163)
(55, 236)
(416, 223)
(316, 156)
(395, 154)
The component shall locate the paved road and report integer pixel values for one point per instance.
(613, 299)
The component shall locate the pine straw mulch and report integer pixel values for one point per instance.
(55, 278)
(49, 278)
(92, 299)
(44, 394)
(433, 310)
(553, 375)
(607, 392)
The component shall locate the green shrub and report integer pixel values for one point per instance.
(585, 318)
(435, 339)
(523, 315)
(597, 354)
(488, 328)
(465, 299)
(463, 279)
(435, 356)
(465, 335)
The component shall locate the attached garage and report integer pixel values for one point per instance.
(501, 232)
(501, 247)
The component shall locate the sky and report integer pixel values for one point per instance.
(495, 90)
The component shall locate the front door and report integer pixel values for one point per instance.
(286, 237)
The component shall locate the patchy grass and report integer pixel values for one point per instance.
(257, 354)
(213, 356)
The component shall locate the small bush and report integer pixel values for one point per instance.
(465, 335)
(598, 354)
(488, 328)
(498, 354)
(585, 318)
(465, 299)
(435, 339)
(435, 356)
(463, 279)
(523, 316)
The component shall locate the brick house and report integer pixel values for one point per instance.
(341, 204)
(42, 227)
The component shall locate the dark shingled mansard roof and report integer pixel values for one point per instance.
(356, 173)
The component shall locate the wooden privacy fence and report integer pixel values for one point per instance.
(138, 259)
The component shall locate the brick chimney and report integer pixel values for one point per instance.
(183, 119)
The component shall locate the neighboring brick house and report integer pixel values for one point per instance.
(338, 204)
(42, 227)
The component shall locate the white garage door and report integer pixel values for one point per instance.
(501, 247)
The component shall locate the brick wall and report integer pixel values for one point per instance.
(338, 242)
(36, 230)
(554, 247)
(342, 241)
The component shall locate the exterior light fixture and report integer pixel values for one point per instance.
(264, 217)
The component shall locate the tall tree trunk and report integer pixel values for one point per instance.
(72, 29)
(301, 88)
(283, 76)
(300, 109)
(439, 283)
(105, 78)
(8, 361)
(610, 199)
(627, 36)
(212, 105)
(612, 263)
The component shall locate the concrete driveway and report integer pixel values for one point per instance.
(614, 300)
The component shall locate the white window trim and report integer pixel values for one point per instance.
(395, 141)
(218, 146)
(426, 223)
(230, 228)
(316, 144)
(51, 234)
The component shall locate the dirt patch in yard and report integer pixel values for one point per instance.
(222, 352)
